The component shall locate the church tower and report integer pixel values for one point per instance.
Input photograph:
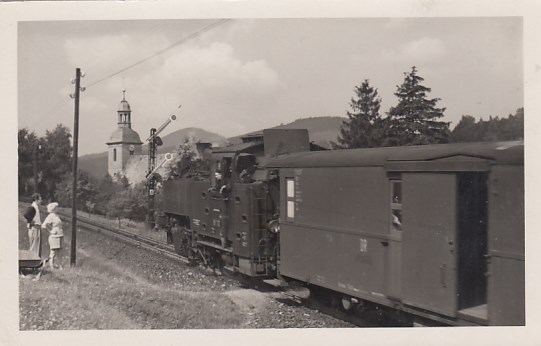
(124, 142)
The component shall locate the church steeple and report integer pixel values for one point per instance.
(124, 112)
(124, 142)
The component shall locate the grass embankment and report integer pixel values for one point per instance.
(79, 298)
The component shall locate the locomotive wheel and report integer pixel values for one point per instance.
(182, 242)
(346, 303)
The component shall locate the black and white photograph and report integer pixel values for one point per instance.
(244, 172)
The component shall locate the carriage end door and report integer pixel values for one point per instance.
(429, 276)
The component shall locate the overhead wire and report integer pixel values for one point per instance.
(175, 44)
(148, 32)
(183, 40)
(48, 114)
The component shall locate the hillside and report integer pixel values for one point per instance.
(94, 164)
(321, 131)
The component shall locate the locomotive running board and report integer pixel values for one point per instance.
(216, 246)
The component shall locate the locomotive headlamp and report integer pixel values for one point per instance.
(274, 226)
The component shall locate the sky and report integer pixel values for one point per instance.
(242, 75)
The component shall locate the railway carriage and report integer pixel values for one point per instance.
(436, 230)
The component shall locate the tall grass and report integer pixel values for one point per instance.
(84, 298)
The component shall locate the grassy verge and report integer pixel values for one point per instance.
(78, 298)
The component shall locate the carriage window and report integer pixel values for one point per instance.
(396, 190)
(290, 186)
(396, 205)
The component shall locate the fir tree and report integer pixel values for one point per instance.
(363, 127)
(414, 120)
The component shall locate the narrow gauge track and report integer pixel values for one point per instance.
(290, 298)
(147, 243)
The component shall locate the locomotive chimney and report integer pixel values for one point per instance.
(285, 141)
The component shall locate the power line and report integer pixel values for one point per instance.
(149, 31)
(47, 115)
(185, 39)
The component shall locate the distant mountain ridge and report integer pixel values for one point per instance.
(321, 130)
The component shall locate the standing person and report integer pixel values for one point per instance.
(34, 227)
(53, 224)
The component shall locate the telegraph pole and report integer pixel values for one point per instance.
(78, 88)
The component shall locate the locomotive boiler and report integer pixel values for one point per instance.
(436, 231)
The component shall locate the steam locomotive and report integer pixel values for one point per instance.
(436, 231)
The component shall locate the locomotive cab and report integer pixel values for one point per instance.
(220, 169)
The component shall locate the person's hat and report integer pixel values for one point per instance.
(35, 196)
(51, 207)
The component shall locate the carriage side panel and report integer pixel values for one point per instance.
(506, 245)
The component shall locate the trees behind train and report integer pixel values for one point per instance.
(493, 129)
(128, 202)
(187, 162)
(29, 145)
(86, 191)
(45, 159)
(116, 199)
(364, 127)
(57, 157)
(413, 121)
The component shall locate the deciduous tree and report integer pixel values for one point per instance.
(86, 191)
(494, 129)
(27, 150)
(57, 157)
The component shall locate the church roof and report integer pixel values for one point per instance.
(124, 106)
(125, 135)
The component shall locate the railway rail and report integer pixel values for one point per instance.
(142, 241)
